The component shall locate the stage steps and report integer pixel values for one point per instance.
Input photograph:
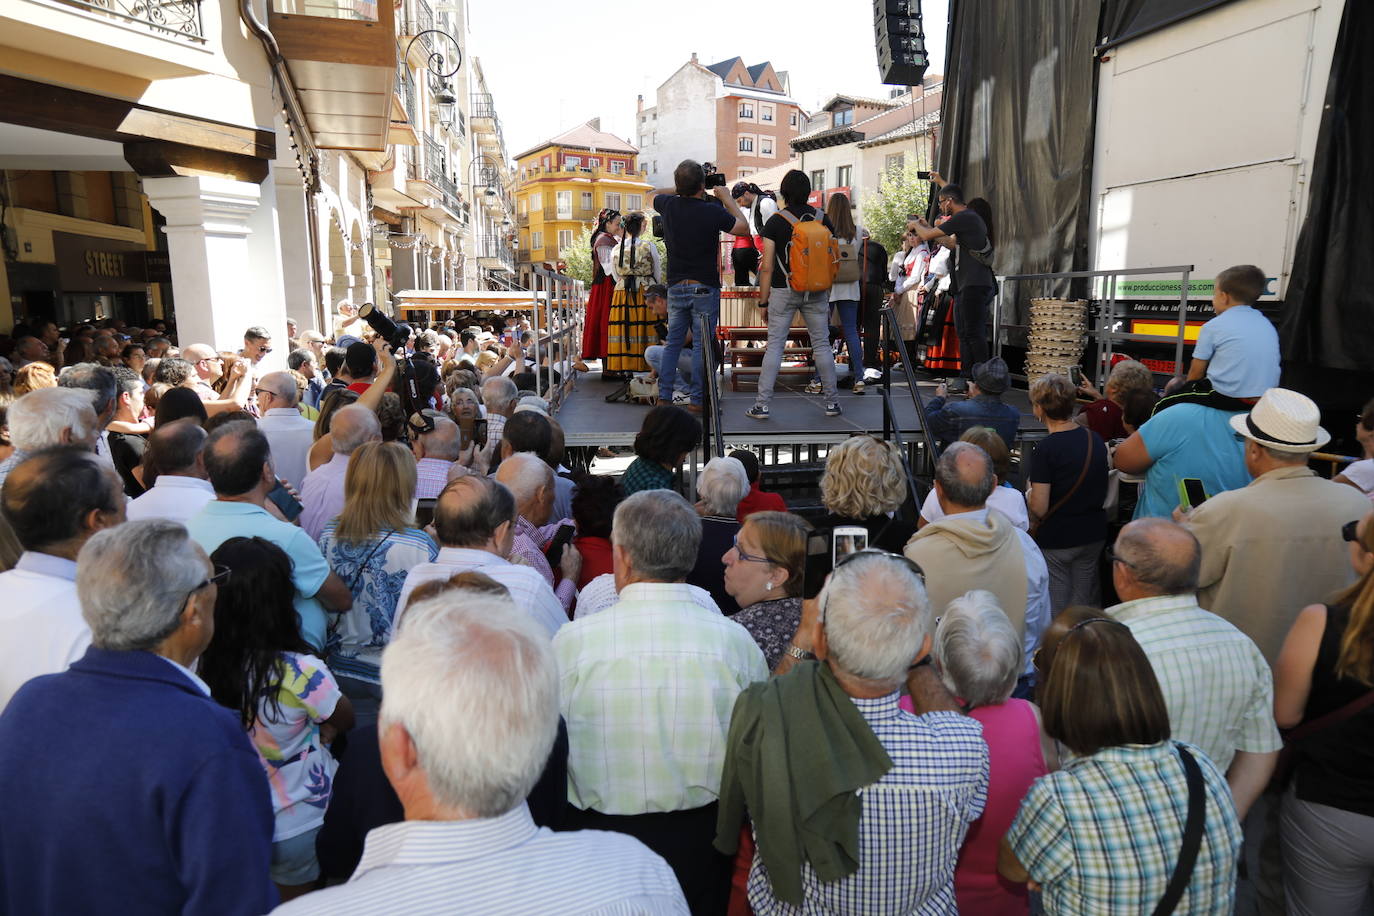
(746, 362)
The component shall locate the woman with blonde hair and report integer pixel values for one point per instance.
(372, 544)
(1323, 690)
(865, 485)
(34, 376)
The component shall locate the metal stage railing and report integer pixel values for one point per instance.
(710, 390)
(888, 325)
(558, 330)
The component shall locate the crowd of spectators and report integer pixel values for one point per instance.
(271, 640)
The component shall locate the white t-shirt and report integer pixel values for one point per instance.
(300, 769)
(1010, 502)
(1361, 474)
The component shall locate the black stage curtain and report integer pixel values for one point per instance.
(1328, 313)
(1018, 118)
(1123, 20)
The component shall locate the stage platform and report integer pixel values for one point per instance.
(797, 417)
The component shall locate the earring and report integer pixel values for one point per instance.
(768, 586)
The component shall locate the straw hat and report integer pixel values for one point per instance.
(1285, 421)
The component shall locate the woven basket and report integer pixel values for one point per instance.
(1058, 333)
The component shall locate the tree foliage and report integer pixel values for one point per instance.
(900, 193)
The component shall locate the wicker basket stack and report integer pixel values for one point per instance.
(1058, 333)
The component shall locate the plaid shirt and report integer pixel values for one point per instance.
(643, 474)
(914, 819)
(1218, 687)
(1102, 835)
(647, 689)
(528, 548)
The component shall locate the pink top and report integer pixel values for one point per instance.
(1015, 760)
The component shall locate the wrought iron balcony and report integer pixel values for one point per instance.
(178, 17)
(405, 88)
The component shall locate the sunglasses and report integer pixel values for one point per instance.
(1350, 531)
(220, 576)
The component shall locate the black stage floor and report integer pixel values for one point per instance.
(797, 417)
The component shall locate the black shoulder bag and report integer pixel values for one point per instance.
(1192, 835)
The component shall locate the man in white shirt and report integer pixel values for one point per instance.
(474, 520)
(182, 487)
(289, 433)
(322, 491)
(470, 718)
(54, 501)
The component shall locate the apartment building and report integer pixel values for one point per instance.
(564, 182)
(739, 117)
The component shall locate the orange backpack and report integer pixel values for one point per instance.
(813, 255)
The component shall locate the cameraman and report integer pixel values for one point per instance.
(692, 224)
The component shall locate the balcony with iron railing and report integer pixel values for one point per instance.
(178, 18)
(419, 17)
(405, 91)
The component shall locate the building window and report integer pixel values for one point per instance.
(745, 173)
(565, 204)
(818, 180)
(746, 144)
(765, 146)
(792, 121)
(617, 167)
(537, 201)
(746, 111)
(587, 202)
(634, 201)
(894, 162)
(843, 118)
(524, 207)
(572, 162)
(766, 113)
(843, 175)
(564, 238)
(612, 200)
(593, 162)
(537, 240)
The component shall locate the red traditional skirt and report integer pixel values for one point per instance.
(597, 323)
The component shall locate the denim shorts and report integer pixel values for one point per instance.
(293, 859)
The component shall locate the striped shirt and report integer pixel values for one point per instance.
(528, 547)
(600, 593)
(1102, 835)
(914, 820)
(501, 865)
(647, 689)
(1218, 687)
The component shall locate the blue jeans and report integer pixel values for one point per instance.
(849, 323)
(687, 302)
(654, 357)
(815, 312)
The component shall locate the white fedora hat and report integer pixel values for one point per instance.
(1285, 421)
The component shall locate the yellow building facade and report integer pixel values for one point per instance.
(563, 183)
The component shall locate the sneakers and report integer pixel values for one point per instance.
(872, 375)
(833, 410)
(859, 387)
(813, 386)
(681, 397)
(757, 412)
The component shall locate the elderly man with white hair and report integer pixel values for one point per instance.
(289, 433)
(174, 814)
(722, 483)
(470, 717)
(50, 416)
(499, 397)
(881, 831)
(979, 656)
(436, 450)
(530, 481)
(322, 492)
(647, 690)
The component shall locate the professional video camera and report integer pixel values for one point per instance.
(714, 177)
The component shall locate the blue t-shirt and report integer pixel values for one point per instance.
(691, 232)
(1189, 440)
(1242, 352)
(220, 521)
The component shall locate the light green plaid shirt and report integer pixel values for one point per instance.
(647, 689)
(1218, 687)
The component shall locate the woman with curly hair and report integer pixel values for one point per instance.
(865, 485)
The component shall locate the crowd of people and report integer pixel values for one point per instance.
(274, 642)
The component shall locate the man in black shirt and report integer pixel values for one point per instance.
(692, 224)
(973, 283)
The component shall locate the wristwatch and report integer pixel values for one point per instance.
(800, 655)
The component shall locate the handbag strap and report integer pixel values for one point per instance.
(1082, 475)
(1334, 717)
(362, 567)
(1192, 835)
